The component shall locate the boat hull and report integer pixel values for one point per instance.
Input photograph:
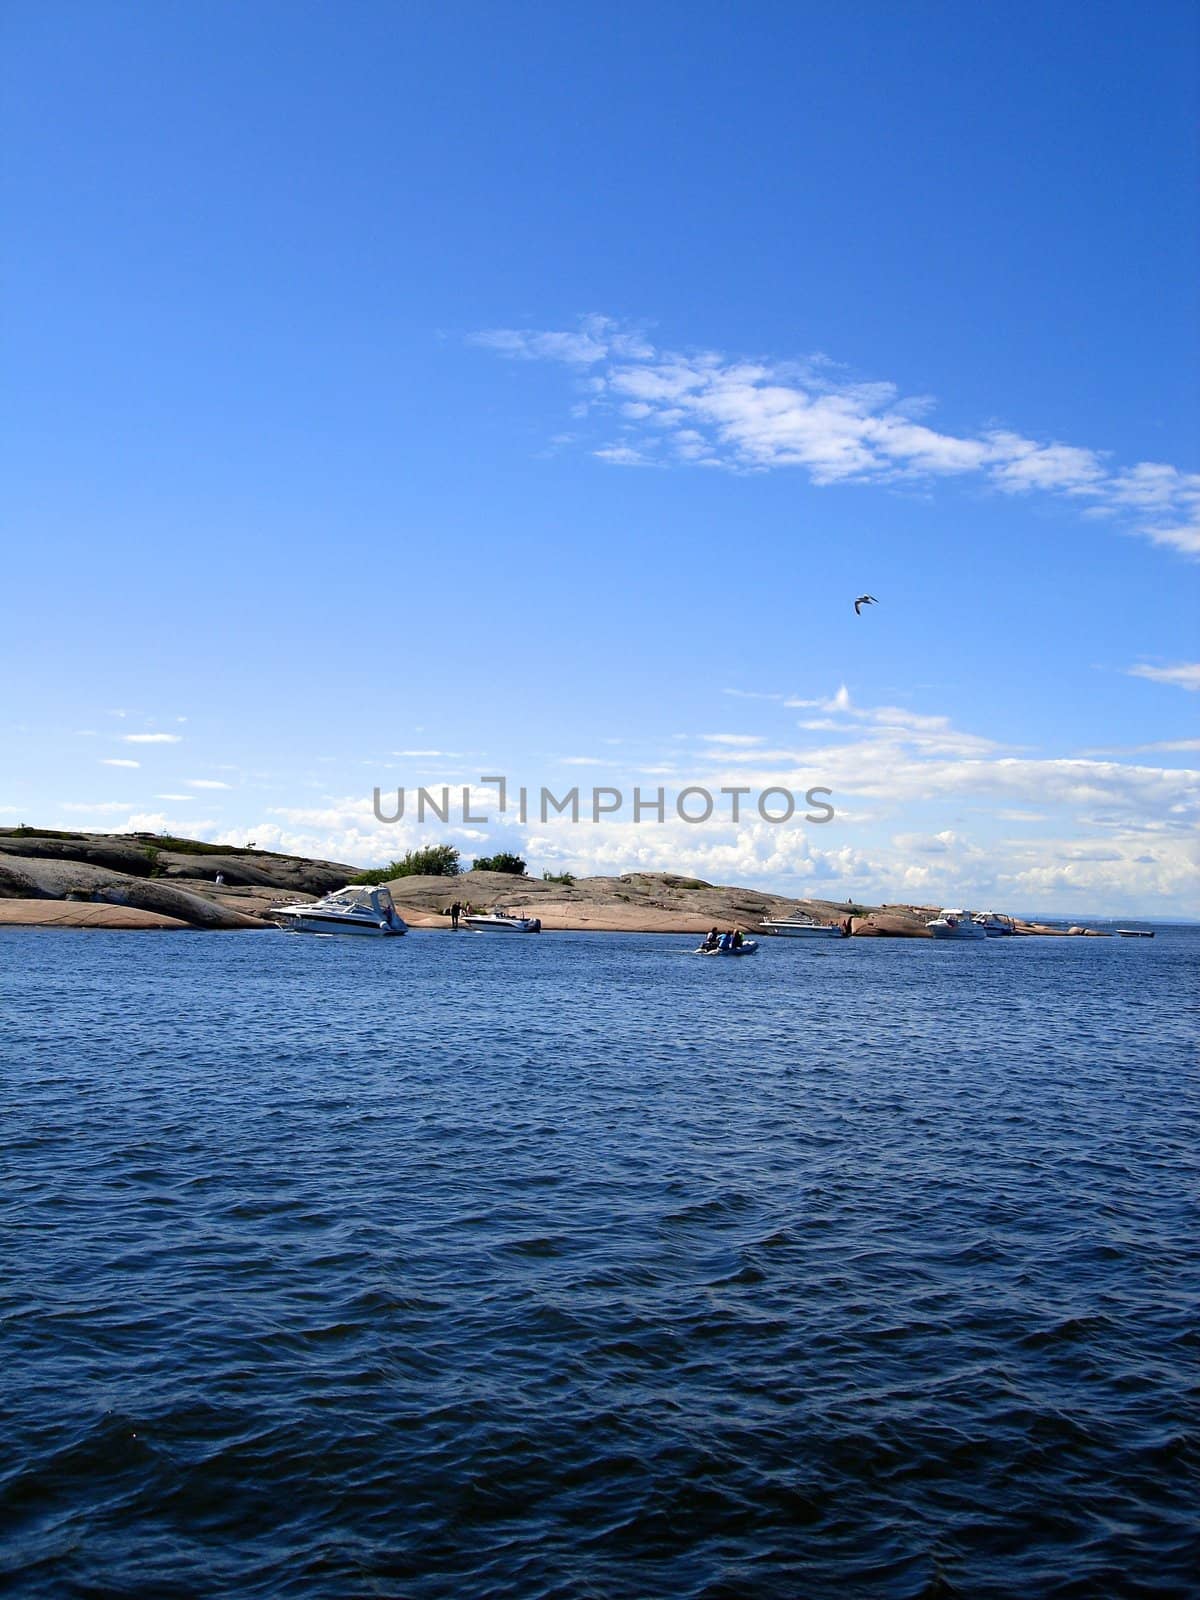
(502, 925)
(815, 930)
(360, 927)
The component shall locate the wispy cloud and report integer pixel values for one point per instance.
(711, 409)
(1167, 746)
(732, 738)
(206, 783)
(116, 761)
(1184, 676)
(151, 738)
(932, 734)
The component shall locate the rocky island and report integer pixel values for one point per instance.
(51, 878)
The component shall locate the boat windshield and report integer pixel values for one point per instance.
(361, 899)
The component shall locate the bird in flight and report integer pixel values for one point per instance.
(864, 600)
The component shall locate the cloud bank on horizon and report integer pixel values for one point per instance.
(925, 810)
(707, 409)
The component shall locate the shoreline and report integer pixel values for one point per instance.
(143, 882)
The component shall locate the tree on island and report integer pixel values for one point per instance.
(434, 861)
(504, 862)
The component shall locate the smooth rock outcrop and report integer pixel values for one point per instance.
(83, 914)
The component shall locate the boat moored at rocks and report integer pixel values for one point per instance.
(803, 928)
(501, 922)
(358, 909)
(955, 924)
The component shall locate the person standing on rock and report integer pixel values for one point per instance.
(455, 911)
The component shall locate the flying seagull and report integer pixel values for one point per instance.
(864, 600)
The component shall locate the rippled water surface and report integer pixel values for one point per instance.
(575, 1266)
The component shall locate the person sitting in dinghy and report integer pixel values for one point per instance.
(712, 940)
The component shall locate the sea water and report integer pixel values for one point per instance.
(574, 1265)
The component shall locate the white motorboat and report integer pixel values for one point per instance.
(993, 924)
(358, 908)
(501, 922)
(955, 924)
(803, 928)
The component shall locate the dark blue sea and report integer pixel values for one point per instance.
(575, 1266)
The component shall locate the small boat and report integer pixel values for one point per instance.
(993, 924)
(501, 922)
(955, 924)
(1135, 933)
(358, 908)
(746, 948)
(803, 928)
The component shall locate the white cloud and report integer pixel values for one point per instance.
(107, 812)
(151, 738)
(116, 761)
(596, 339)
(159, 822)
(1185, 676)
(187, 797)
(732, 738)
(206, 783)
(758, 754)
(709, 409)
(623, 455)
(1166, 746)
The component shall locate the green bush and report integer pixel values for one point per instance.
(434, 861)
(504, 862)
(566, 878)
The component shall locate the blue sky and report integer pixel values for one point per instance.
(540, 389)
